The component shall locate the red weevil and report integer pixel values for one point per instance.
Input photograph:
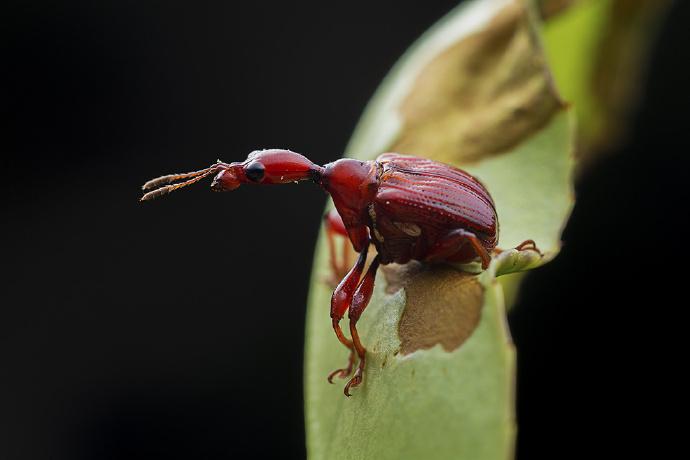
(409, 208)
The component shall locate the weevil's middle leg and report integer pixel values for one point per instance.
(340, 302)
(360, 300)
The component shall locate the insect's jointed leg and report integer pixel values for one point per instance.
(340, 302)
(527, 245)
(360, 300)
(453, 241)
(335, 230)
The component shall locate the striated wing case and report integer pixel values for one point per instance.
(428, 199)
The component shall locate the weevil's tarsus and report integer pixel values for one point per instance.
(346, 371)
(527, 245)
(360, 300)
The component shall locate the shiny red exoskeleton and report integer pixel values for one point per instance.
(409, 208)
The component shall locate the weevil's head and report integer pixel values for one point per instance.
(274, 166)
(352, 184)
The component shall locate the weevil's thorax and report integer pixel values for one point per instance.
(352, 184)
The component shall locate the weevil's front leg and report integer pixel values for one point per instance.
(340, 302)
(451, 244)
(360, 300)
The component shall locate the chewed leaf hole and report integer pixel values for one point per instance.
(443, 306)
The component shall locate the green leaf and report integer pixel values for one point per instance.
(428, 404)
(475, 92)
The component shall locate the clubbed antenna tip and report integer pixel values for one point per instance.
(156, 193)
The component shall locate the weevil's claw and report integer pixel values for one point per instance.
(354, 382)
(342, 373)
(529, 245)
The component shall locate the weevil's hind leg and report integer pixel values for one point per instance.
(527, 245)
(338, 265)
(346, 371)
(453, 242)
(340, 302)
(360, 300)
(345, 251)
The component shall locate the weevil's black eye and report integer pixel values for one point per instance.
(254, 171)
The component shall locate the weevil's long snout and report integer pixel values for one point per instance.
(225, 181)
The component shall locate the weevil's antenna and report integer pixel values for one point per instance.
(159, 183)
(167, 179)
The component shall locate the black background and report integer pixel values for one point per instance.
(175, 329)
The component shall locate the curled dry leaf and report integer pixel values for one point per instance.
(481, 96)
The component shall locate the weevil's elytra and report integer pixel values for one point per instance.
(409, 208)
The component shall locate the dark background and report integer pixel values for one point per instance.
(175, 329)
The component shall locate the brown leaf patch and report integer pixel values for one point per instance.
(481, 96)
(443, 306)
